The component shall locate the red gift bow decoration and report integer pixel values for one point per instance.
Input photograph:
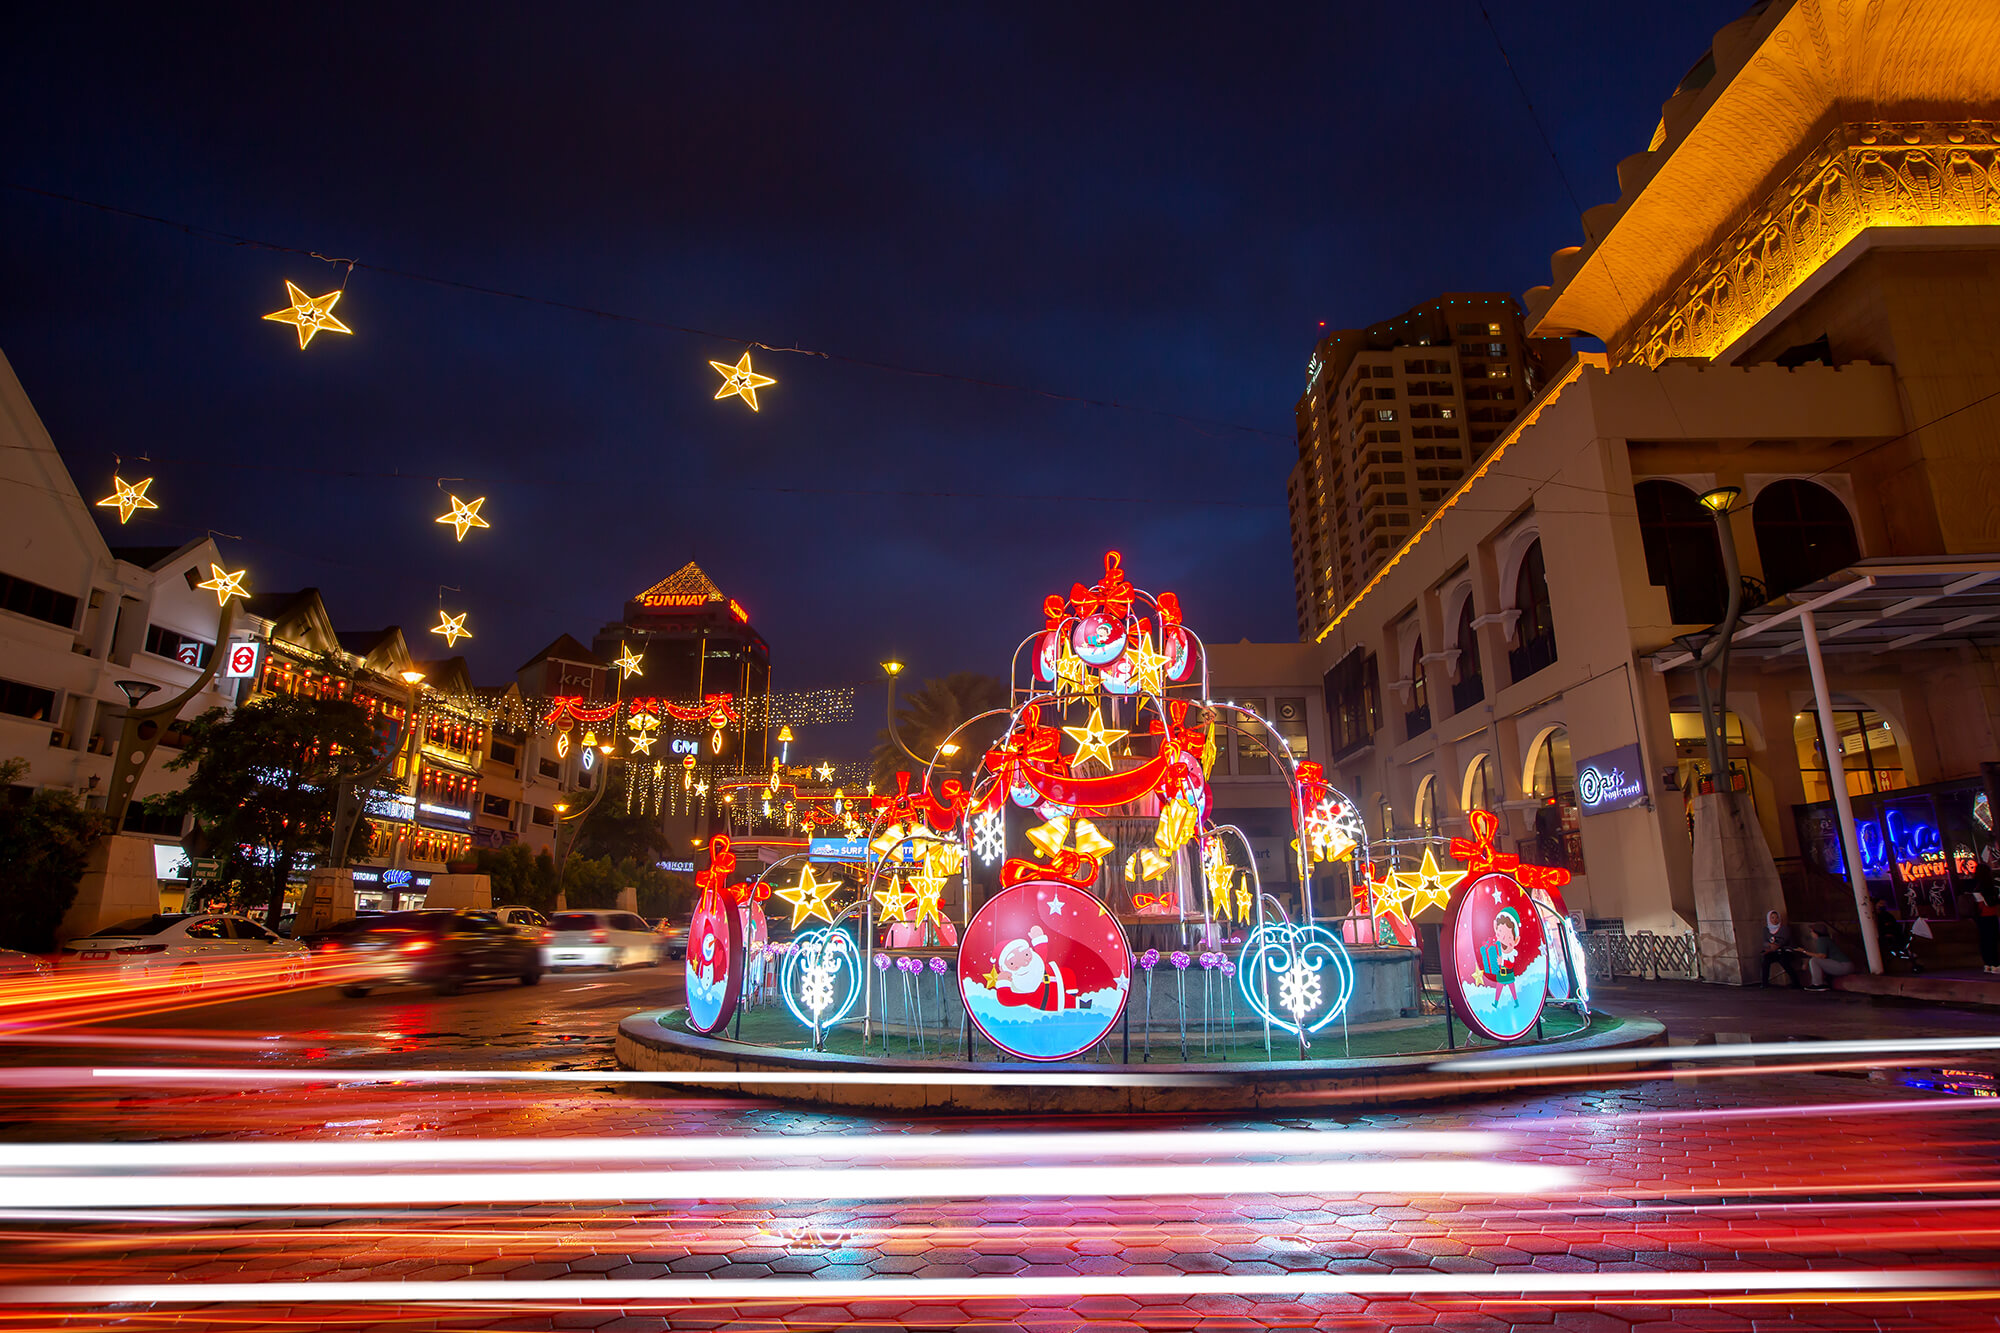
(721, 862)
(1141, 901)
(1482, 855)
(1312, 783)
(1071, 867)
(650, 705)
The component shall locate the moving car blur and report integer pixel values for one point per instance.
(601, 939)
(435, 947)
(13, 964)
(182, 948)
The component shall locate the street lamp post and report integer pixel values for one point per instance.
(1715, 707)
(891, 670)
(575, 818)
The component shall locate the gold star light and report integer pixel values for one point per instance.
(131, 495)
(1073, 675)
(629, 663)
(893, 900)
(1094, 741)
(930, 899)
(464, 515)
(739, 381)
(1386, 897)
(825, 772)
(808, 898)
(225, 586)
(452, 627)
(641, 742)
(1147, 666)
(310, 313)
(1427, 885)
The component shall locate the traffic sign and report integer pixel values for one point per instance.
(203, 867)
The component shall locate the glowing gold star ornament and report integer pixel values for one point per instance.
(130, 495)
(740, 381)
(629, 662)
(452, 627)
(1095, 740)
(641, 742)
(465, 515)
(1428, 885)
(825, 772)
(893, 900)
(929, 900)
(225, 586)
(808, 898)
(312, 314)
(1147, 666)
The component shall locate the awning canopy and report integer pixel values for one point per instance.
(1874, 606)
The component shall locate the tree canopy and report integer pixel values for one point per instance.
(44, 841)
(926, 716)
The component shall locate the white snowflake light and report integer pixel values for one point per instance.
(816, 987)
(1333, 829)
(1299, 989)
(989, 836)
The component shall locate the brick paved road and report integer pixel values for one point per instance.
(1798, 1176)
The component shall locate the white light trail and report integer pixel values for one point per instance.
(1288, 1144)
(813, 1291)
(1455, 1179)
(53, 1075)
(1804, 1050)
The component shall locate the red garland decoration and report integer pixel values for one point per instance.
(1481, 855)
(710, 705)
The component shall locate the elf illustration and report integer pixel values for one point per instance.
(1498, 961)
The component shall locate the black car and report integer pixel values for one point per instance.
(441, 948)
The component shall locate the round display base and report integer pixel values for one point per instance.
(658, 1041)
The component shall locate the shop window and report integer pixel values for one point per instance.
(1551, 776)
(27, 598)
(1427, 804)
(1870, 753)
(1683, 552)
(1482, 785)
(1470, 687)
(1417, 720)
(1536, 630)
(1803, 532)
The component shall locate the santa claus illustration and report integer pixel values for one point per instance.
(1026, 978)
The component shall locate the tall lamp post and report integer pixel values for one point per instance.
(891, 670)
(1715, 653)
(573, 820)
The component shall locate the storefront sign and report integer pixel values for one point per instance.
(1611, 781)
(683, 745)
(1045, 970)
(241, 664)
(848, 849)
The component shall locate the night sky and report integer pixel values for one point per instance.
(1150, 205)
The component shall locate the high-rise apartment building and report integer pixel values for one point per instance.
(1392, 418)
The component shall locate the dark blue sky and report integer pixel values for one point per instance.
(1150, 204)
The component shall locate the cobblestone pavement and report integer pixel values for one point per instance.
(1818, 1186)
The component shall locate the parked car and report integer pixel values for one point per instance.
(600, 939)
(18, 965)
(437, 947)
(521, 916)
(184, 949)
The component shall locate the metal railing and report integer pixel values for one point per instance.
(1613, 953)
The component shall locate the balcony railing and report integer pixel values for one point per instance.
(1531, 657)
(1465, 693)
(1417, 721)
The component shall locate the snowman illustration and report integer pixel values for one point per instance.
(1028, 979)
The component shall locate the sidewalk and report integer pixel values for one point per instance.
(1696, 1012)
(1952, 986)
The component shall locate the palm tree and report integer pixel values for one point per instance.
(925, 717)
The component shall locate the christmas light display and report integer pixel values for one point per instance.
(809, 898)
(1496, 957)
(715, 946)
(1094, 740)
(1292, 959)
(452, 627)
(312, 315)
(1044, 970)
(821, 979)
(464, 515)
(223, 585)
(628, 663)
(128, 497)
(1428, 886)
(740, 381)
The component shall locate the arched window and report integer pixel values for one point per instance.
(1536, 630)
(1683, 553)
(1552, 782)
(1418, 720)
(1803, 534)
(1427, 804)
(1470, 687)
(1482, 785)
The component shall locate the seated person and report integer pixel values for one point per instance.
(1824, 956)
(1780, 950)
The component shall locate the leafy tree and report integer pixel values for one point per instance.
(44, 841)
(609, 831)
(925, 717)
(521, 878)
(263, 788)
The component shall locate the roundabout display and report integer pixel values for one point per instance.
(1068, 893)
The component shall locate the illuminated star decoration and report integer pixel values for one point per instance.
(739, 381)
(1072, 675)
(310, 313)
(1095, 740)
(131, 495)
(641, 742)
(808, 898)
(930, 894)
(1386, 897)
(452, 627)
(629, 663)
(1428, 885)
(825, 772)
(1147, 665)
(893, 900)
(464, 516)
(225, 586)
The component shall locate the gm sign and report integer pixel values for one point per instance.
(1611, 781)
(682, 745)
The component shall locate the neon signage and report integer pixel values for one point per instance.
(1612, 781)
(1915, 845)
(663, 599)
(736, 609)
